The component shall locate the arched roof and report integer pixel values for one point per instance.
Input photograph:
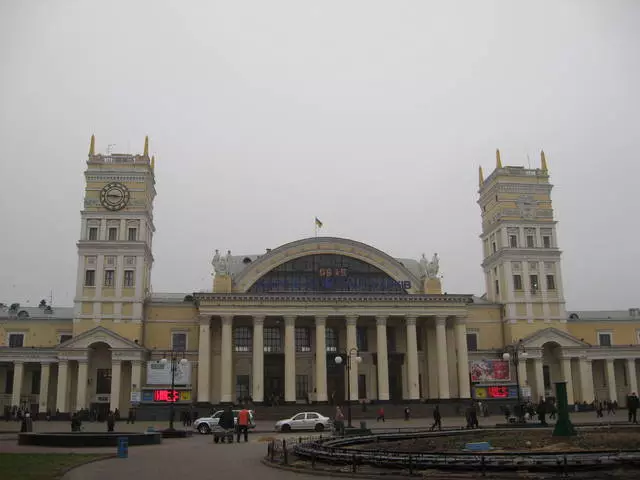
(324, 245)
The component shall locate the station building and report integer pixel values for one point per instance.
(319, 319)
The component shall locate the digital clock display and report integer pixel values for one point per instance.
(495, 391)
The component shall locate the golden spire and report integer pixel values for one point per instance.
(92, 146)
(480, 176)
(146, 146)
(153, 162)
(543, 161)
(498, 161)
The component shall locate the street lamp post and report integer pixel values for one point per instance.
(173, 358)
(357, 359)
(514, 353)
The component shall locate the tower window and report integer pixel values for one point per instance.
(517, 282)
(179, 341)
(533, 279)
(128, 278)
(604, 339)
(16, 340)
(513, 241)
(493, 246)
(93, 233)
(90, 278)
(531, 241)
(551, 282)
(113, 233)
(133, 234)
(108, 278)
(497, 288)
(546, 241)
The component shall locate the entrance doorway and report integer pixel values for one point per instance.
(336, 392)
(395, 377)
(274, 379)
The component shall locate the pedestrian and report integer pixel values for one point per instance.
(380, 414)
(111, 421)
(437, 419)
(633, 402)
(243, 425)
(227, 424)
(338, 421)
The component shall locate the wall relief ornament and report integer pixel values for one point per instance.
(527, 206)
(221, 264)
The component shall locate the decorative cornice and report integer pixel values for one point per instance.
(224, 298)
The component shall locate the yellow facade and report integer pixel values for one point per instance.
(259, 333)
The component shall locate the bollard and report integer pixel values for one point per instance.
(410, 464)
(354, 464)
(123, 447)
(285, 453)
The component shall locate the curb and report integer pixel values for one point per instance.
(94, 460)
(325, 473)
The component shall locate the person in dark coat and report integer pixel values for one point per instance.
(111, 421)
(632, 404)
(227, 423)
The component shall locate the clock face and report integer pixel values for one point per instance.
(114, 196)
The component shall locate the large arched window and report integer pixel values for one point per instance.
(328, 274)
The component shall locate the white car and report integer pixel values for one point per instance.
(304, 421)
(205, 425)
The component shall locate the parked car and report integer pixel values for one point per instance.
(205, 425)
(304, 421)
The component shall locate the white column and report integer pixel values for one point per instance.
(522, 372)
(321, 359)
(81, 397)
(586, 380)
(632, 375)
(443, 367)
(464, 387)
(565, 363)
(45, 373)
(290, 358)
(18, 375)
(383, 358)
(226, 360)
(539, 376)
(62, 393)
(413, 375)
(257, 375)
(116, 377)
(204, 359)
(611, 380)
(352, 346)
(136, 376)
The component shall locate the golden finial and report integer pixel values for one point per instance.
(498, 161)
(146, 146)
(92, 146)
(543, 161)
(153, 162)
(480, 176)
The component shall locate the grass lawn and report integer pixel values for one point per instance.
(41, 466)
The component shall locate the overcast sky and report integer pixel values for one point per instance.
(371, 115)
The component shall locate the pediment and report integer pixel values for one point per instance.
(100, 335)
(552, 335)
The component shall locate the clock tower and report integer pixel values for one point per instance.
(116, 236)
(521, 258)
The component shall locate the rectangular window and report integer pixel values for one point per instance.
(179, 341)
(604, 339)
(272, 340)
(303, 339)
(302, 387)
(93, 233)
(533, 280)
(108, 278)
(531, 241)
(551, 282)
(497, 288)
(546, 241)
(65, 337)
(133, 234)
(517, 282)
(242, 388)
(361, 339)
(513, 241)
(113, 233)
(362, 386)
(331, 339)
(90, 278)
(242, 339)
(493, 246)
(16, 340)
(35, 383)
(472, 342)
(128, 278)
(103, 381)
(391, 339)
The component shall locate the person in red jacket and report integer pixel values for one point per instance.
(243, 425)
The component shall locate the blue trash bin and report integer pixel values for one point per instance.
(123, 447)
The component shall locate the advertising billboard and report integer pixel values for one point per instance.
(489, 371)
(159, 373)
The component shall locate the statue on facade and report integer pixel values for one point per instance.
(433, 267)
(220, 264)
(424, 263)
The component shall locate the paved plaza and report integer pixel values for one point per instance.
(198, 456)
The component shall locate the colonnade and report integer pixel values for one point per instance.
(351, 321)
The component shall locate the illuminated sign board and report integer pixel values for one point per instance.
(167, 396)
(495, 392)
